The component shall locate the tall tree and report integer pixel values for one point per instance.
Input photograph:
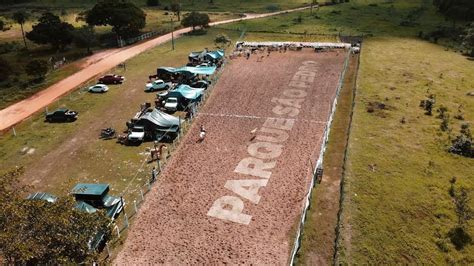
(195, 19)
(176, 8)
(20, 17)
(40, 232)
(51, 30)
(125, 18)
(85, 37)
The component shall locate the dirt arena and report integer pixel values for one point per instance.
(237, 196)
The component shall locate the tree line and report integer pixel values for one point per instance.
(125, 18)
(456, 9)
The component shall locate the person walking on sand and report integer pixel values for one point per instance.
(202, 133)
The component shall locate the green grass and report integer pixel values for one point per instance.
(353, 18)
(18, 89)
(219, 5)
(401, 211)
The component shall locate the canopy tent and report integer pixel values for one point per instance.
(206, 55)
(186, 70)
(86, 192)
(197, 70)
(216, 54)
(85, 207)
(160, 119)
(185, 91)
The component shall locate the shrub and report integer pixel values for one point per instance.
(222, 39)
(444, 126)
(8, 47)
(37, 68)
(298, 19)
(5, 69)
(463, 144)
(272, 7)
(428, 104)
(442, 112)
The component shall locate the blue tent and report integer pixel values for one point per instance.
(197, 70)
(206, 55)
(186, 91)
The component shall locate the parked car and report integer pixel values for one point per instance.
(62, 115)
(156, 85)
(111, 79)
(171, 104)
(98, 88)
(136, 134)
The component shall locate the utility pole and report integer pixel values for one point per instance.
(172, 33)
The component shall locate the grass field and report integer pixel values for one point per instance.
(68, 153)
(396, 208)
(252, 6)
(400, 211)
(18, 88)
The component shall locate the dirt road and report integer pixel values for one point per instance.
(236, 197)
(17, 112)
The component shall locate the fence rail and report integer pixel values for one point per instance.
(319, 162)
(121, 42)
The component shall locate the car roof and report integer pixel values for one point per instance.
(90, 189)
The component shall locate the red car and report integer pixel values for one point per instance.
(111, 79)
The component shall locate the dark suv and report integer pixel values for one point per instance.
(61, 115)
(111, 79)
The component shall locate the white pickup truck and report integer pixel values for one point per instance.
(157, 85)
(171, 104)
(137, 134)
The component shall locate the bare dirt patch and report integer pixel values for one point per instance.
(173, 226)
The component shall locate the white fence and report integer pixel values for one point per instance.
(319, 163)
(148, 35)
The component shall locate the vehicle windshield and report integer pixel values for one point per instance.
(137, 129)
(172, 100)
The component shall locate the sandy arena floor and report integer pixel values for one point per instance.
(173, 225)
